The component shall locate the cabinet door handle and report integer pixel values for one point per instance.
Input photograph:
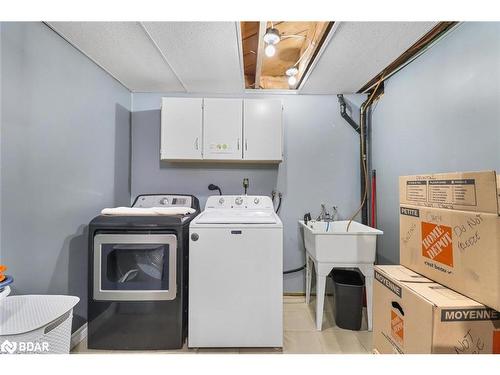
(246, 145)
(196, 143)
(238, 144)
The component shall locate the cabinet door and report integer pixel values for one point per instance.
(181, 128)
(222, 129)
(263, 129)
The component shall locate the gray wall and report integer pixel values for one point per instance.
(65, 141)
(321, 165)
(441, 113)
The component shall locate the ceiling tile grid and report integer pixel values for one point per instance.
(204, 55)
(124, 50)
(358, 51)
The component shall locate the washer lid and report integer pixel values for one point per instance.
(21, 314)
(237, 217)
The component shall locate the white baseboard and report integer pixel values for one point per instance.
(79, 335)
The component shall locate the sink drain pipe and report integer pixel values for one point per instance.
(363, 130)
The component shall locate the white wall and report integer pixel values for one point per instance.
(441, 113)
(321, 166)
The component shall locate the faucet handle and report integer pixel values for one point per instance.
(334, 212)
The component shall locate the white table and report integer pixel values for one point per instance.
(322, 270)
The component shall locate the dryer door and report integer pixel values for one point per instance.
(135, 267)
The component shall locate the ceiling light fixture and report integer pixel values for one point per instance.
(272, 36)
(291, 71)
(292, 75)
(271, 39)
(270, 50)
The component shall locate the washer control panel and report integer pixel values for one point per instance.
(239, 202)
(162, 200)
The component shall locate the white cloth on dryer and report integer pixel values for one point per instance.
(152, 211)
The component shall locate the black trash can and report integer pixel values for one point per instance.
(348, 293)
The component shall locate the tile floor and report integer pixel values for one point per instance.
(300, 335)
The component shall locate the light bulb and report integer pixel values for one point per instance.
(272, 36)
(292, 80)
(291, 71)
(270, 50)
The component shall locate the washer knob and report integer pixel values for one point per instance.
(238, 200)
(164, 201)
(256, 200)
(221, 201)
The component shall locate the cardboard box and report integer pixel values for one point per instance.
(450, 231)
(498, 191)
(413, 315)
(458, 249)
(465, 191)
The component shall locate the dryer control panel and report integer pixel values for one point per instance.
(261, 202)
(163, 200)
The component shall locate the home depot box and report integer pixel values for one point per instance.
(411, 314)
(450, 231)
(465, 191)
(458, 249)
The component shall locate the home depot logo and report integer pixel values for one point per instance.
(437, 243)
(397, 327)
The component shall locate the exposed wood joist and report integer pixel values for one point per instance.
(417, 48)
(249, 35)
(260, 54)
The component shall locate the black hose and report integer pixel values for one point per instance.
(279, 203)
(295, 270)
(215, 187)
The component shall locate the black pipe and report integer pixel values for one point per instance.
(345, 116)
(362, 158)
(295, 270)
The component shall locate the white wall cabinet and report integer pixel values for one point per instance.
(181, 128)
(220, 129)
(263, 130)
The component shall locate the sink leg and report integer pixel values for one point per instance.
(320, 299)
(367, 271)
(369, 300)
(308, 279)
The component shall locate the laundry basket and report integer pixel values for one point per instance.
(36, 324)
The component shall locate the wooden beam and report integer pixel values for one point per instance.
(260, 53)
(274, 82)
(249, 31)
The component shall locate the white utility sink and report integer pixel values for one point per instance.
(330, 242)
(329, 245)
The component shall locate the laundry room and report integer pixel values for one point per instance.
(322, 183)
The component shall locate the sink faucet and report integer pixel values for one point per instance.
(325, 215)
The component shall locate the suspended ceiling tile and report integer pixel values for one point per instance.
(124, 50)
(360, 50)
(204, 55)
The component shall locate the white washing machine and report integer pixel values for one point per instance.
(236, 274)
